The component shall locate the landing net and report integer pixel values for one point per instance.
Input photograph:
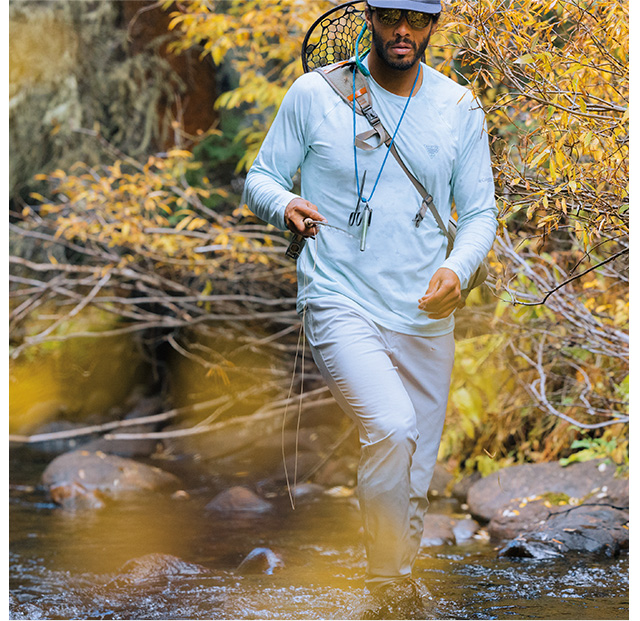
(333, 36)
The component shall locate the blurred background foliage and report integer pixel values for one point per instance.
(126, 223)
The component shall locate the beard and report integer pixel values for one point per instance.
(402, 65)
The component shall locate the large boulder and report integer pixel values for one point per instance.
(592, 480)
(593, 529)
(82, 479)
(548, 510)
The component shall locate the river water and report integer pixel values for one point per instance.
(63, 565)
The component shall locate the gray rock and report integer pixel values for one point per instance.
(548, 510)
(446, 530)
(278, 488)
(461, 489)
(307, 491)
(438, 530)
(592, 529)
(83, 479)
(543, 530)
(521, 548)
(154, 567)
(261, 561)
(56, 446)
(239, 499)
(592, 480)
(519, 516)
(440, 481)
(465, 529)
(336, 472)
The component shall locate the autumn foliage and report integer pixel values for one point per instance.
(542, 351)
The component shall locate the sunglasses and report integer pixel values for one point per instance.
(390, 17)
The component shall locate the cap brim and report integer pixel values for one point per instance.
(409, 5)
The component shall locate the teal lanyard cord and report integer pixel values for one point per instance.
(355, 152)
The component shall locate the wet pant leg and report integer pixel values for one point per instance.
(381, 380)
(424, 365)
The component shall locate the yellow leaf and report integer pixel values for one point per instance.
(183, 223)
(179, 153)
(525, 59)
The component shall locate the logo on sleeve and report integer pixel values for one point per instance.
(432, 150)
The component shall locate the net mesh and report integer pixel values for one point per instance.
(333, 37)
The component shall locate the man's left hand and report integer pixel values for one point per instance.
(443, 295)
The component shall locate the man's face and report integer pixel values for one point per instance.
(400, 46)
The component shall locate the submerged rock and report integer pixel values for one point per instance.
(308, 491)
(261, 561)
(83, 479)
(521, 548)
(445, 530)
(239, 499)
(438, 530)
(465, 529)
(155, 566)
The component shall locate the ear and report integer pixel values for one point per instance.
(368, 17)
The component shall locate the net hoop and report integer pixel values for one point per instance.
(332, 37)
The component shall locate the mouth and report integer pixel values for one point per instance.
(401, 49)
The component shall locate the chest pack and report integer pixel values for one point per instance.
(340, 76)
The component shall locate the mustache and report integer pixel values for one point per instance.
(404, 41)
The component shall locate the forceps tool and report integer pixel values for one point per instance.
(356, 215)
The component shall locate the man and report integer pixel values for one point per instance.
(380, 321)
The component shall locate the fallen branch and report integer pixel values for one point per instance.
(130, 422)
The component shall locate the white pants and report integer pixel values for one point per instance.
(395, 387)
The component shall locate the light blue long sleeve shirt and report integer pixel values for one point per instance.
(443, 141)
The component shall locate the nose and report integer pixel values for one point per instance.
(402, 28)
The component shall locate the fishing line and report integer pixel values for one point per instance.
(301, 338)
(330, 226)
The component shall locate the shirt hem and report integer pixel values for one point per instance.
(399, 327)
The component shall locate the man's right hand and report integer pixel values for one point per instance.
(296, 212)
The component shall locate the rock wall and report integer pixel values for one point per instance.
(77, 67)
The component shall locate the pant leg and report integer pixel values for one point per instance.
(425, 365)
(355, 361)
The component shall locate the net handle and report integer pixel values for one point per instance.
(340, 7)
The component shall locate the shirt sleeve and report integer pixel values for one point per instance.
(269, 182)
(473, 194)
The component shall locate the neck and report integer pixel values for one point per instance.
(396, 81)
